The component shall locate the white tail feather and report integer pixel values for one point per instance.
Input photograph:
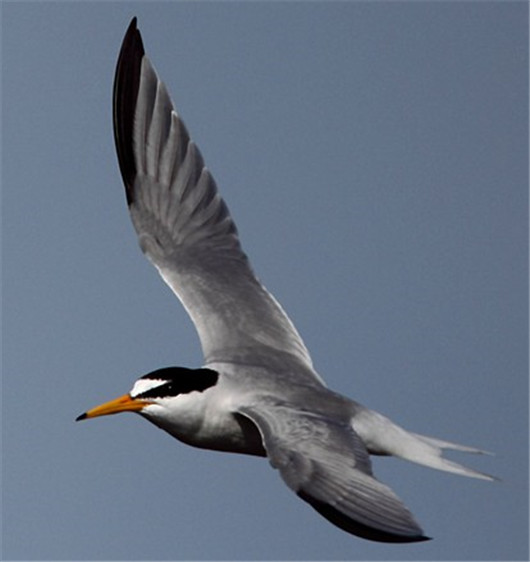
(449, 445)
(383, 437)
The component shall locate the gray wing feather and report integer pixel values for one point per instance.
(327, 465)
(183, 224)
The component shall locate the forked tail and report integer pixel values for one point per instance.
(383, 437)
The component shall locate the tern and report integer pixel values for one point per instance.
(257, 392)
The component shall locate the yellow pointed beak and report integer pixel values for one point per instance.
(122, 404)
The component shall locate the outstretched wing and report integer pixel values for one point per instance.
(184, 226)
(327, 465)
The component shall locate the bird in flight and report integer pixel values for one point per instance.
(257, 392)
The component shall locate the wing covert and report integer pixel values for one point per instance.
(183, 225)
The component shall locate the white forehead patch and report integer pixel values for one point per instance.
(143, 385)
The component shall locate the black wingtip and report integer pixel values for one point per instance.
(125, 94)
(81, 417)
(355, 527)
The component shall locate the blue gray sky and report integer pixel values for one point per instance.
(375, 159)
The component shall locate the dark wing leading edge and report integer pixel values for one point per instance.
(327, 465)
(184, 226)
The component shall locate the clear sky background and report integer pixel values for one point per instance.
(375, 158)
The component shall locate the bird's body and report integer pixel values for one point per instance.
(257, 392)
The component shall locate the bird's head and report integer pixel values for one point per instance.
(165, 388)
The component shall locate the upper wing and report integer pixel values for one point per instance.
(327, 465)
(184, 226)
